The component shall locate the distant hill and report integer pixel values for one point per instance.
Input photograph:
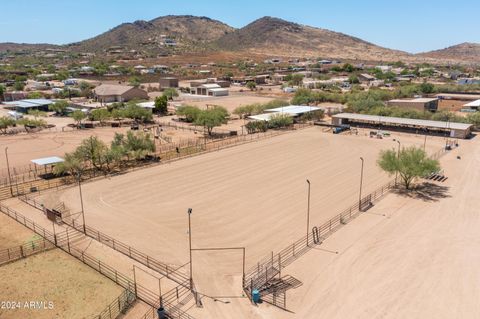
(275, 36)
(266, 37)
(466, 52)
(189, 32)
(10, 46)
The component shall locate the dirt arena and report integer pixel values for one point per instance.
(13, 234)
(254, 195)
(408, 257)
(229, 102)
(76, 290)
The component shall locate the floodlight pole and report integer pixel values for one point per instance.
(8, 171)
(398, 158)
(81, 203)
(308, 210)
(190, 246)
(361, 182)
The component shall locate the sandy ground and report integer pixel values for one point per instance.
(13, 234)
(229, 102)
(252, 195)
(24, 147)
(408, 257)
(76, 290)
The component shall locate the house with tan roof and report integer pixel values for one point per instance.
(107, 93)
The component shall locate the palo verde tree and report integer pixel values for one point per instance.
(410, 163)
(5, 122)
(59, 107)
(161, 104)
(211, 118)
(78, 116)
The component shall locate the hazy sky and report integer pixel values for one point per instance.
(409, 25)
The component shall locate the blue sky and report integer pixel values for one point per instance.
(409, 25)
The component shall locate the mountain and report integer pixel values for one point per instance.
(275, 36)
(10, 46)
(466, 52)
(188, 32)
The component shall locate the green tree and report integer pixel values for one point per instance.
(161, 104)
(211, 118)
(347, 67)
(92, 151)
(427, 88)
(37, 113)
(474, 118)
(34, 95)
(72, 164)
(78, 116)
(100, 115)
(134, 81)
(59, 107)
(410, 163)
(170, 93)
(32, 123)
(5, 122)
(190, 113)
(280, 121)
(251, 85)
(135, 112)
(18, 86)
(2, 92)
(353, 79)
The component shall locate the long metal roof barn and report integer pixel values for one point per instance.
(47, 160)
(294, 109)
(403, 121)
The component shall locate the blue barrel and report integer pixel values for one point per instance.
(255, 296)
(161, 313)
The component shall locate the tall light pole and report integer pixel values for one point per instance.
(398, 157)
(190, 246)
(8, 171)
(308, 210)
(361, 182)
(81, 202)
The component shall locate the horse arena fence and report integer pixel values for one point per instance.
(267, 269)
(171, 272)
(119, 306)
(28, 178)
(66, 242)
(27, 249)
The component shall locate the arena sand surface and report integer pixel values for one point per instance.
(407, 257)
(13, 234)
(24, 147)
(253, 195)
(76, 290)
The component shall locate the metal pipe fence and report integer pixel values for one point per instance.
(171, 272)
(270, 266)
(64, 242)
(27, 249)
(119, 306)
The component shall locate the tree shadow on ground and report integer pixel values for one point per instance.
(427, 192)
